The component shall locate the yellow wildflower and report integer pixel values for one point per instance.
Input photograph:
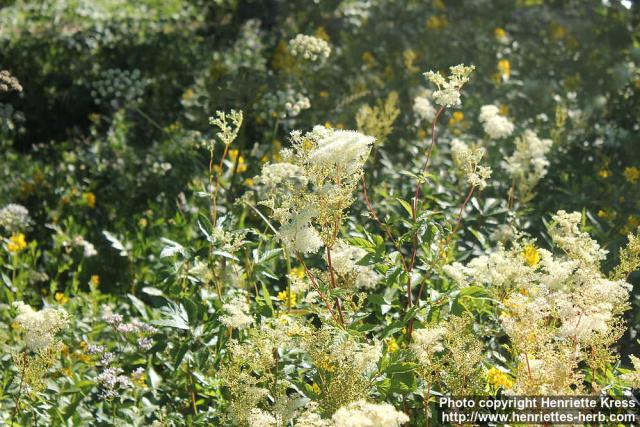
(604, 214)
(422, 134)
(457, 117)
(235, 156)
(284, 297)
(95, 280)
(500, 33)
(504, 69)
(61, 298)
(503, 110)
(248, 182)
(531, 255)
(298, 272)
(632, 174)
(324, 94)
(17, 242)
(392, 345)
(604, 173)
(316, 388)
(90, 199)
(632, 225)
(497, 378)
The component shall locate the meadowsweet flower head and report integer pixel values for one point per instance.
(467, 159)
(448, 93)
(40, 327)
(311, 48)
(423, 109)
(237, 313)
(344, 260)
(365, 414)
(14, 217)
(495, 125)
(427, 342)
(228, 125)
(528, 163)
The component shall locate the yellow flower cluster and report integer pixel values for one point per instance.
(17, 242)
(531, 255)
(497, 378)
(284, 297)
(90, 199)
(632, 174)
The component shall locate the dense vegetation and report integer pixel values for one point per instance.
(275, 213)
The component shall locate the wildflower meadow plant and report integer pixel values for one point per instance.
(216, 214)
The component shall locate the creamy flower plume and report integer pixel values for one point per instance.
(495, 125)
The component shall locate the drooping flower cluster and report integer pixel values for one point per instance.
(311, 48)
(14, 217)
(40, 327)
(314, 185)
(556, 310)
(528, 163)
(467, 159)
(448, 93)
(494, 124)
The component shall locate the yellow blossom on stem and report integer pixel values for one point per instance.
(95, 280)
(604, 173)
(504, 69)
(500, 33)
(61, 298)
(531, 255)
(457, 117)
(284, 297)
(392, 345)
(90, 199)
(17, 242)
(497, 378)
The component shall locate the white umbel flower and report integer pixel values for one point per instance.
(14, 217)
(311, 48)
(40, 326)
(365, 414)
(495, 125)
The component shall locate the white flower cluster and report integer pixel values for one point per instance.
(448, 93)
(550, 303)
(343, 149)
(14, 217)
(260, 418)
(310, 48)
(40, 327)
(320, 172)
(117, 87)
(365, 414)
(344, 260)
(285, 104)
(427, 342)
(577, 244)
(237, 313)
(423, 109)
(495, 125)
(467, 160)
(529, 162)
